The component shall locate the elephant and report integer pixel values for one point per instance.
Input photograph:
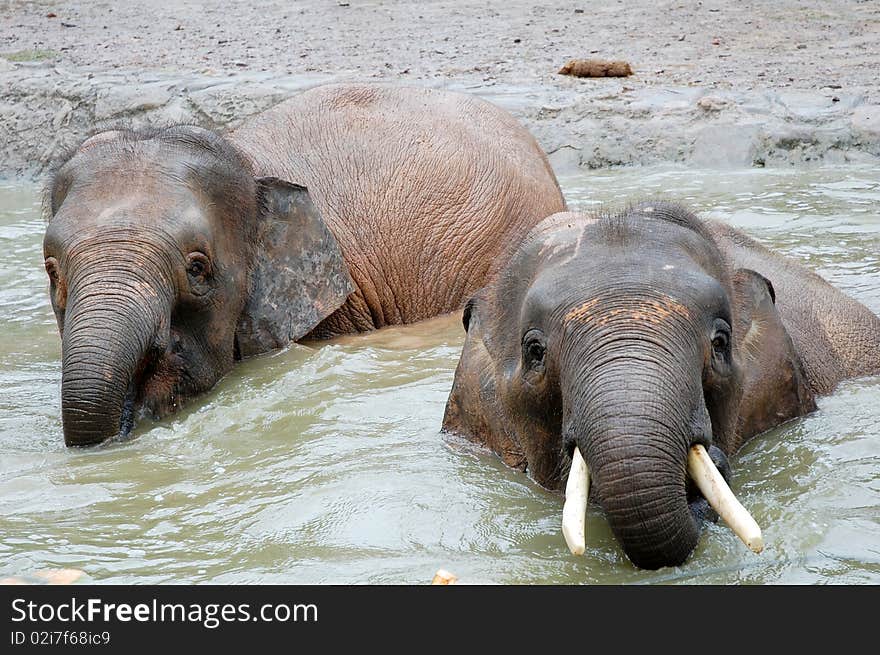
(613, 350)
(174, 252)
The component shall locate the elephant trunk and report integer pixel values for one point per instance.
(634, 415)
(116, 318)
(644, 496)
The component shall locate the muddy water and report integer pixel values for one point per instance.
(324, 464)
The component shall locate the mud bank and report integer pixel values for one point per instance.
(714, 86)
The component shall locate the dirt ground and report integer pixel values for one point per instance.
(794, 79)
(721, 44)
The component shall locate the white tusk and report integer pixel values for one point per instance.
(702, 469)
(574, 512)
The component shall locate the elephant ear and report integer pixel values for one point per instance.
(775, 385)
(299, 276)
(474, 409)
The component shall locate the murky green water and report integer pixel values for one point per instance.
(324, 464)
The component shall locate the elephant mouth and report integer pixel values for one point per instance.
(126, 421)
(134, 408)
(160, 386)
(153, 392)
(708, 497)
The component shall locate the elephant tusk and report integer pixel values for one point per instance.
(574, 511)
(710, 482)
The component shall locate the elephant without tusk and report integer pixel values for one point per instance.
(173, 252)
(627, 355)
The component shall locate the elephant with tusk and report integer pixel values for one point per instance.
(172, 253)
(628, 355)
(701, 470)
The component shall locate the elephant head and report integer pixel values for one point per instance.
(168, 260)
(626, 339)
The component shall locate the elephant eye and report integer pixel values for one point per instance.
(721, 339)
(52, 269)
(534, 349)
(197, 265)
(468, 312)
(198, 269)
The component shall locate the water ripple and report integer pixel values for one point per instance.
(323, 463)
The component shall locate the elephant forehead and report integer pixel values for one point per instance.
(144, 208)
(147, 206)
(657, 311)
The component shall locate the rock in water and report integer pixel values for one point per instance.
(596, 68)
(444, 577)
(48, 576)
